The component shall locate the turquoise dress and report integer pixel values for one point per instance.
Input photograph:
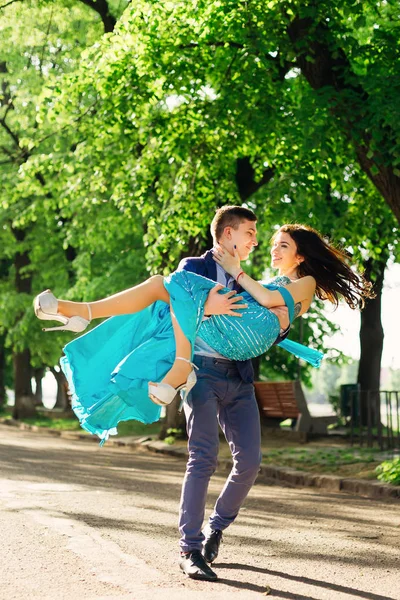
(108, 368)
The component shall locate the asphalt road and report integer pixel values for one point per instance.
(80, 522)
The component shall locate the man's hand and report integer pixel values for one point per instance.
(223, 304)
(283, 315)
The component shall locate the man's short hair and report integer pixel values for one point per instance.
(229, 216)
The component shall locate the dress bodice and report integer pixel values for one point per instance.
(241, 338)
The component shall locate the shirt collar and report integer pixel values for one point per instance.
(224, 277)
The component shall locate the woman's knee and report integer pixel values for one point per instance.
(158, 289)
(156, 280)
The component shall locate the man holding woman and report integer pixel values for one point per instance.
(223, 395)
(159, 334)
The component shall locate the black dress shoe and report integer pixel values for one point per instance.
(211, 544)
(194, 566)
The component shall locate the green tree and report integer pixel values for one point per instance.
(288, 106)
(223, 110)
(32, 236)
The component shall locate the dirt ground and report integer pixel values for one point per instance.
(81, 522)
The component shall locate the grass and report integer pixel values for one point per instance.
(320, 456)
(345, 462)
(316, 456)
(127, 428)
(374, 431)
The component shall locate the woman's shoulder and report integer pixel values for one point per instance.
(279, 280)
(284, 280)
(307, 284)
(308, 280)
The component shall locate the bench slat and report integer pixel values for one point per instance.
(277, 399)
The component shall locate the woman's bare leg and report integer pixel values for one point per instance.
(180, 369)
(122, 303)
(130, 301)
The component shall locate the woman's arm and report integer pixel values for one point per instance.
(301, 290)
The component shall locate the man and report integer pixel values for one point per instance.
(224, 394)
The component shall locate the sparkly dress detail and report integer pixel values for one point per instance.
(108, 368)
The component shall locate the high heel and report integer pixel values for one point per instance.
(46, 309)
(163, 393)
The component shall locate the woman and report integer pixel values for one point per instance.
(111, 368)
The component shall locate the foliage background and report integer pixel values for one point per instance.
(125, 125)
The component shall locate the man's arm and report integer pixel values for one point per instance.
(282, 336)
(188, 264)
(216, 303)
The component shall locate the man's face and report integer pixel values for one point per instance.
(244, 237)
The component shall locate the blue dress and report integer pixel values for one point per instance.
(108, 368)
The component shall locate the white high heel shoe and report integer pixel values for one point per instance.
(46, 309)
(163, 393)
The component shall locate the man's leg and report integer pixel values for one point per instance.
(202, 427)
(240, 421)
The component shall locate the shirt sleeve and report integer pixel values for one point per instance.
(185, 265)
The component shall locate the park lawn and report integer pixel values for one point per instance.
(319, 456)
(47, 422)
(127, 428)
(333, 460)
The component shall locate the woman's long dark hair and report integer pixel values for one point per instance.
(328, 265)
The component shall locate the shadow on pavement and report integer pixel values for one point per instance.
(322, 584)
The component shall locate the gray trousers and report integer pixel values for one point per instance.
(219, 396)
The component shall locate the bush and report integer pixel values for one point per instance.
(389, 471)
(173, 435)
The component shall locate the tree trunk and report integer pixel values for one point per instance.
(24, 406)
(62, 399)
(38, 375)
(24, 400)
(245, 178)
(3, 396)
(102, 8)
(371, 341)
(173, 418)
(256, 362)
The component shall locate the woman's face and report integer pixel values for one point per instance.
(284, 253)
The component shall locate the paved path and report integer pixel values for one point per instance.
(79, 522)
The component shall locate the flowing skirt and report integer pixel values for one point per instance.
(108, 368)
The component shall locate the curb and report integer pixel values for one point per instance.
(329, 483)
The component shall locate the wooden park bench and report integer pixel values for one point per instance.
(281, 400)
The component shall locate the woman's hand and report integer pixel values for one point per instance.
(223, 304)
(231, 264)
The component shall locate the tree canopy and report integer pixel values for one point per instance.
(122, 129)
